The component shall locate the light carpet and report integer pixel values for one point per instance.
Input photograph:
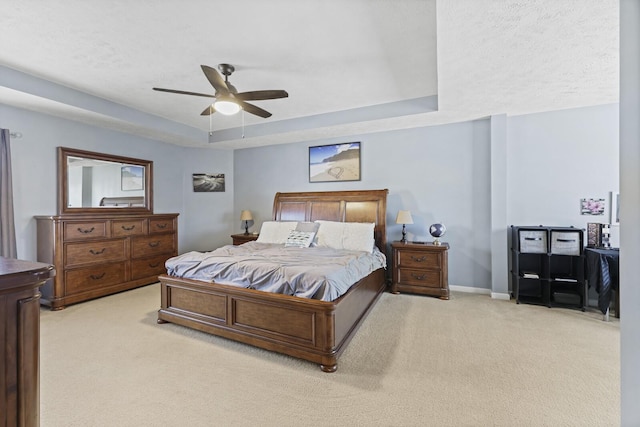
(416, 361)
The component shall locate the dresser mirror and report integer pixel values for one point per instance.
(91, 182)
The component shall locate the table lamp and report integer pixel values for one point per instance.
(246, 217)
(404, 217)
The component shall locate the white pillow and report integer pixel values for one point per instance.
(299, 239)
(352, 236)
(358, 236)
(275, 231)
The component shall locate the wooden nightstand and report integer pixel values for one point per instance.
(420, 268)
(239, 239)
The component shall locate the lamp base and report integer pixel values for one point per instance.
(246, 228)
(436, 242)
(404, 235)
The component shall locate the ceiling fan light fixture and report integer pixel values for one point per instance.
(226, 107)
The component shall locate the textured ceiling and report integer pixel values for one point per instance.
(382, 64)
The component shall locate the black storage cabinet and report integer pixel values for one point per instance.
(547, 266)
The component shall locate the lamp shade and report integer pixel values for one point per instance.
(246, 216)
(226, 107)
(404, 217)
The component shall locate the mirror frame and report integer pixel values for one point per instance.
(63, 186)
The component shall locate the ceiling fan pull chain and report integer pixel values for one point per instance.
(243, 123)
(210, 124)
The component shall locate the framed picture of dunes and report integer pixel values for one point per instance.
(208, 182)
(336, 162)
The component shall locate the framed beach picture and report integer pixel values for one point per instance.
(131, 178)
(208, 182)
(336, 162)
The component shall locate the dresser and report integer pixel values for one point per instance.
(420, 268)
(98, 255)
(20, 340)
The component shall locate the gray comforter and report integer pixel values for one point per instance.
(318, 273)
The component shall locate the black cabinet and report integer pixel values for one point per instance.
(547, 266)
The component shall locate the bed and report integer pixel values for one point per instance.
(309, 329)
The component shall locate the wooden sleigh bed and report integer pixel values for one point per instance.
(309, 329)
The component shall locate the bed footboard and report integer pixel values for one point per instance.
(317, 331)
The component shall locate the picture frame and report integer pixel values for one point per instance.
(208, 182)
(131, 178)
(615, 208)
(335, 162)
(592, 206)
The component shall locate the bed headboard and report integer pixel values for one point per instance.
(343, 206)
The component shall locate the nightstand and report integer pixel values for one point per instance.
(420, 268)
(239, 239)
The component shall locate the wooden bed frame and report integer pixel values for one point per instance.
(313, 330)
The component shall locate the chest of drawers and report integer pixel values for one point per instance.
(100, 255)
(420, 269)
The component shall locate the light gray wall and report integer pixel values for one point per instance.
(439, 173)
(34, 167)
(555, 159)
(630, 211)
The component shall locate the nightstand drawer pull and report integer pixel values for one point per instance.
(96, 277)
(86, 231)
(125, 228)
(154, 244)
(418, 259)
(161, 226)
(97, 252)
(418, 276)
(154, 265)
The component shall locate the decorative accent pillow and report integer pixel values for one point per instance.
(276, 231)
(299, 239)
(352, 236)
(310, 226)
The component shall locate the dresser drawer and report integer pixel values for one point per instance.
(152, 245)
(90, 278)
(418, 259)
(123, 228)
(425, 278)
(85, 230)
(146, 267)
(95, 252)
(160, 225)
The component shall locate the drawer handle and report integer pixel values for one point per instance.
(128, 228)
(97, 252)
(154, 265)
(86, 231)
(154, 244)
(533, 238)
(418, 276)
(94, 277)
(161, 226)
(566, 240)
(418, 259)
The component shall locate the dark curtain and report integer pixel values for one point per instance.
(7, 225)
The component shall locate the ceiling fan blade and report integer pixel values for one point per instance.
(208, 111)
(258, 95)
(183, 92)
(250, 108)
(216, 80)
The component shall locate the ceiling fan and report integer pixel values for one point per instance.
(227, 99)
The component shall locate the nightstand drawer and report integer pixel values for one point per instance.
(426, 278)
(419, 259)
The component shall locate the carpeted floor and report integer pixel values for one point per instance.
(416, 361)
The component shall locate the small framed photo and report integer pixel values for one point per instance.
(615, 208)
(336, 162)
(208, 182)
(132, 178)
(592, 206)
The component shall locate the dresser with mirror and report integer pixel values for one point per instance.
(105, 237)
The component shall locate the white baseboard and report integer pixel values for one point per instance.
(483, 291)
